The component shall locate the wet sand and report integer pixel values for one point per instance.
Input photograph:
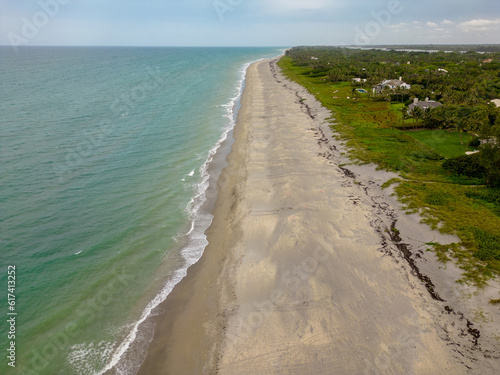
(309, 269)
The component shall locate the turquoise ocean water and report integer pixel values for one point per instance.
(105, 154)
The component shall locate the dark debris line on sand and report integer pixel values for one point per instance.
(404, 249)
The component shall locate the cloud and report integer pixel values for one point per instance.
(447, 22)
(297, 5)
(398, 25)
(432, 24)
(479, 23)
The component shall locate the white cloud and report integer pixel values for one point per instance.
(479, 23)
(432, 24)
(398, 26)
(297, 5)
(447, 22)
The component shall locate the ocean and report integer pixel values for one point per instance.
(106, 156)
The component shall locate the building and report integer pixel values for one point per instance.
(496, 102)
(391, 84)
(423, 105)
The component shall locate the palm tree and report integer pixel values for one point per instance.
(416, 114)
(472, 98)
(426, 116)
(474, 122)
(405, 116)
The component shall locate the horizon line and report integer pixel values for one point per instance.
(255, 46)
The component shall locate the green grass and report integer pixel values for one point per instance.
(368, 127)
(445, 143)
(408, 123)
(452, 209)
(370, 131)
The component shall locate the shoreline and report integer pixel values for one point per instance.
(191, 294)
(190, 244)
(301, 274)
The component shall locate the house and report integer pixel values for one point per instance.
(491, 141)
(488, 61)
(423, 105)
(496, 102)
(359, 80)
(391, 84)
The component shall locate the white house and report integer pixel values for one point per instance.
(391, 84)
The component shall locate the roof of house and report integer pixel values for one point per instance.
(424, 105)
(393, 83)
(496, 102)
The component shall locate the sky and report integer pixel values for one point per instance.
(282, 23)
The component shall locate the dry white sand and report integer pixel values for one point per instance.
(303, 273)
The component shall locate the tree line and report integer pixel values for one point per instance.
(464, 83)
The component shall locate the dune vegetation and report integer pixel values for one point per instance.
(453, 192)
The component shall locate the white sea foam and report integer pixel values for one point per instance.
(196, 239)
(84, 357)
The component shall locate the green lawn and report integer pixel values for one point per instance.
(445, 143)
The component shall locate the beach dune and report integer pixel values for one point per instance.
(299, 276)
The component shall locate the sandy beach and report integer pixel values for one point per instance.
(311, 267)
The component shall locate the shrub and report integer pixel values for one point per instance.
(489, 245)
(465, 165)
(426, 154)
(437, 199)
(487, 194)
(475, 142)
